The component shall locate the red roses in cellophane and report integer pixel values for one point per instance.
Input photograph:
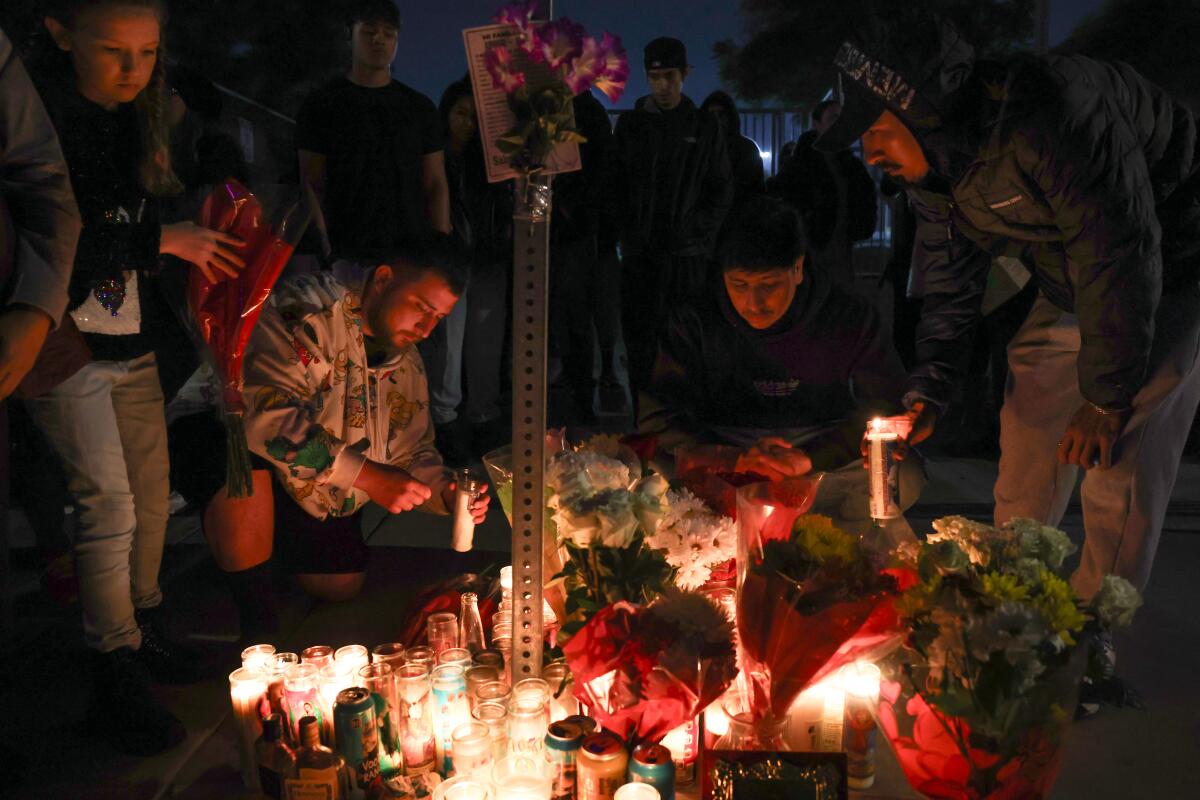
(811, 598)
(645, 670)
(226, 310)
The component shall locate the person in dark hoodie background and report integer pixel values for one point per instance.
(667, 190)
(781, 363)
(1090, 174)
(834, 194)
(745, 161)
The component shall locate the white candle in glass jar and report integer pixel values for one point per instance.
(353, 654)
(257, 656)
(247, 687)
(472, 754)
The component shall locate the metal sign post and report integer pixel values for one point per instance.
(531, 257)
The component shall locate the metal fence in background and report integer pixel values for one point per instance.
(771, 129)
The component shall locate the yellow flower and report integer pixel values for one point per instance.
(1057, 602)
(999, 588)
(823, 540)
(919, 599)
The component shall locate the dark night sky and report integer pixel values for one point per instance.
(431, 53)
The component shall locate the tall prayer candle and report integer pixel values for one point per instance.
(353, 654)
(861, 683)
(247, 688)
(883, 437)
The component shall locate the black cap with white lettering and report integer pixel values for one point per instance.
(665, 53)
(907, 62)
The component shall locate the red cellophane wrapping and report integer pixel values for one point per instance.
(638, 679)
(226, 310)
(941, 759)
(788, 647)
(447, 596)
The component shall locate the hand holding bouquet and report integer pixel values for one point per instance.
(227, 310)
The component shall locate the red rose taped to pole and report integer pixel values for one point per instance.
(227, 310)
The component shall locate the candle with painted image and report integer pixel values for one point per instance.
(450, 709)
(417, 739)
(860, 681)
(301, 696)
(379, 681)
(473, 749)
(528, 719)
(334, 676)
(274, 702)
(247, 688)
(495, 716)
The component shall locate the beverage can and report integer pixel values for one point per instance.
(357, 736)
(652, 764)
(601, 767)
(585, 723)
(562, 748)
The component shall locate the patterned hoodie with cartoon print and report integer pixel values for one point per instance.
(317, 412)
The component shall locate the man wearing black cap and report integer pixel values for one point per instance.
(668, 188)
(1091, 176)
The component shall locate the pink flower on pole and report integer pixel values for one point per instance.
(520, 16)
(615, 71)
(586, 67)
(558, 42)
(500, 66)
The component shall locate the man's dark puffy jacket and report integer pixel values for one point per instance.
(701, 187)
(1089, 174)
(807, 183)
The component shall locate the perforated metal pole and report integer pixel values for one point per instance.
(531, 256)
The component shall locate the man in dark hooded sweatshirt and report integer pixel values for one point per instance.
(667, 190)
(782, 366)
(1088, 173)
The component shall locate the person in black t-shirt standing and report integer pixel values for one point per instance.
(371, 147)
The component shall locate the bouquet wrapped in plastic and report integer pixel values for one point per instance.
(644, 670)
(811, 598)
(977, 701)
(227, 310)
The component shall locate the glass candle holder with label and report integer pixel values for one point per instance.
(417, 739)
(442, 631)
(247, 688)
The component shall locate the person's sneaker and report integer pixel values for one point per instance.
(165, 660)
(123, 712)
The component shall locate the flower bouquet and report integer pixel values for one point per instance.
(603, 534)
(644, 670)
(552, 62)
(811, 597)
(227, 310)
(699, 544)
(976, 702)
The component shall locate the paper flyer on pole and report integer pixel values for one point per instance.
(491, 103)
